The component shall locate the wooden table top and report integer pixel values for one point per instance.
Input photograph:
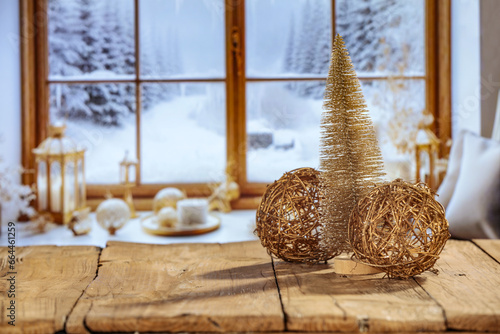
(238, 287)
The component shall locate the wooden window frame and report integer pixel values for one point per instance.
(35, 92)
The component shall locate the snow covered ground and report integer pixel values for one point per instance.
(175, 146)
(294, 123)
(183, 139)
(182, 131)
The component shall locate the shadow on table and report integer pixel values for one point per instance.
(314, 278)
(256, 281)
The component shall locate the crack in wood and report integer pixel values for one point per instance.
(285, 317)
(84, 322)
(303, 294)
(83, 292)
(215, 323)
(445, 319)
(344, 312)
(485, 251)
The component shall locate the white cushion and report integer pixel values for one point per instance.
(447, 187)
(474, 208)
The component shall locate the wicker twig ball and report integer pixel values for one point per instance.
(400, 228)
(288, 217)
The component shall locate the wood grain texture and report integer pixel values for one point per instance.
(316, 299)
(183, 287)
(443, 112)
(467, 287)
(232, 287)
(492, 247)
(29, 127)
(49, 281)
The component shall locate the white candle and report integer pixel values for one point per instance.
(192, 211)
(55, 194)
(42, 193)
(69, 203)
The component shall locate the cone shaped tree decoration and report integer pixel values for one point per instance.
(350, 159)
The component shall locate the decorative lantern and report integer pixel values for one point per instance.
(60, 176)
(427, 148)
(128, 169)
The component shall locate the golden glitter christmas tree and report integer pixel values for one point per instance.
(350, 159)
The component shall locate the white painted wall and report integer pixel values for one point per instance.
(465, 65)
(10, 83)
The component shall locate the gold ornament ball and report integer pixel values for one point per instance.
(400, 228)
(167, 197)
(167, 217)
(112, 214)
(288, 217)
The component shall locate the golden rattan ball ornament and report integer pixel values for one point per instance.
(400, 228)
(288, 217)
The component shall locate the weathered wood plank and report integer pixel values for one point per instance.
(183, 287)
(467, 287)
(317, 299)
(49, 281)
(492, 247)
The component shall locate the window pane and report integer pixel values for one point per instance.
(283, 121)
(183, 132)
(288, 38)
(100, 118)
(91, 39)
(182, 38)
(383, 35)
(396, 107)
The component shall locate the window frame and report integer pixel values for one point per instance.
(35, 93)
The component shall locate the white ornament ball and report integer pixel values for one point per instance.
(167, 217)
(112, 214)
(167, 197)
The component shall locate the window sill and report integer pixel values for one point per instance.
(236, 226)
(146, 204)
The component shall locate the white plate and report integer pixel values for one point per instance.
(150, 225)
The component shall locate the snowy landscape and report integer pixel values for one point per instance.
(182, 134)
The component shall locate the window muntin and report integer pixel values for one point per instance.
(385, 39)
(125, 86)
(369, 79)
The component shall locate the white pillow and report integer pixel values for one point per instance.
(474, 208)
(447, 187)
